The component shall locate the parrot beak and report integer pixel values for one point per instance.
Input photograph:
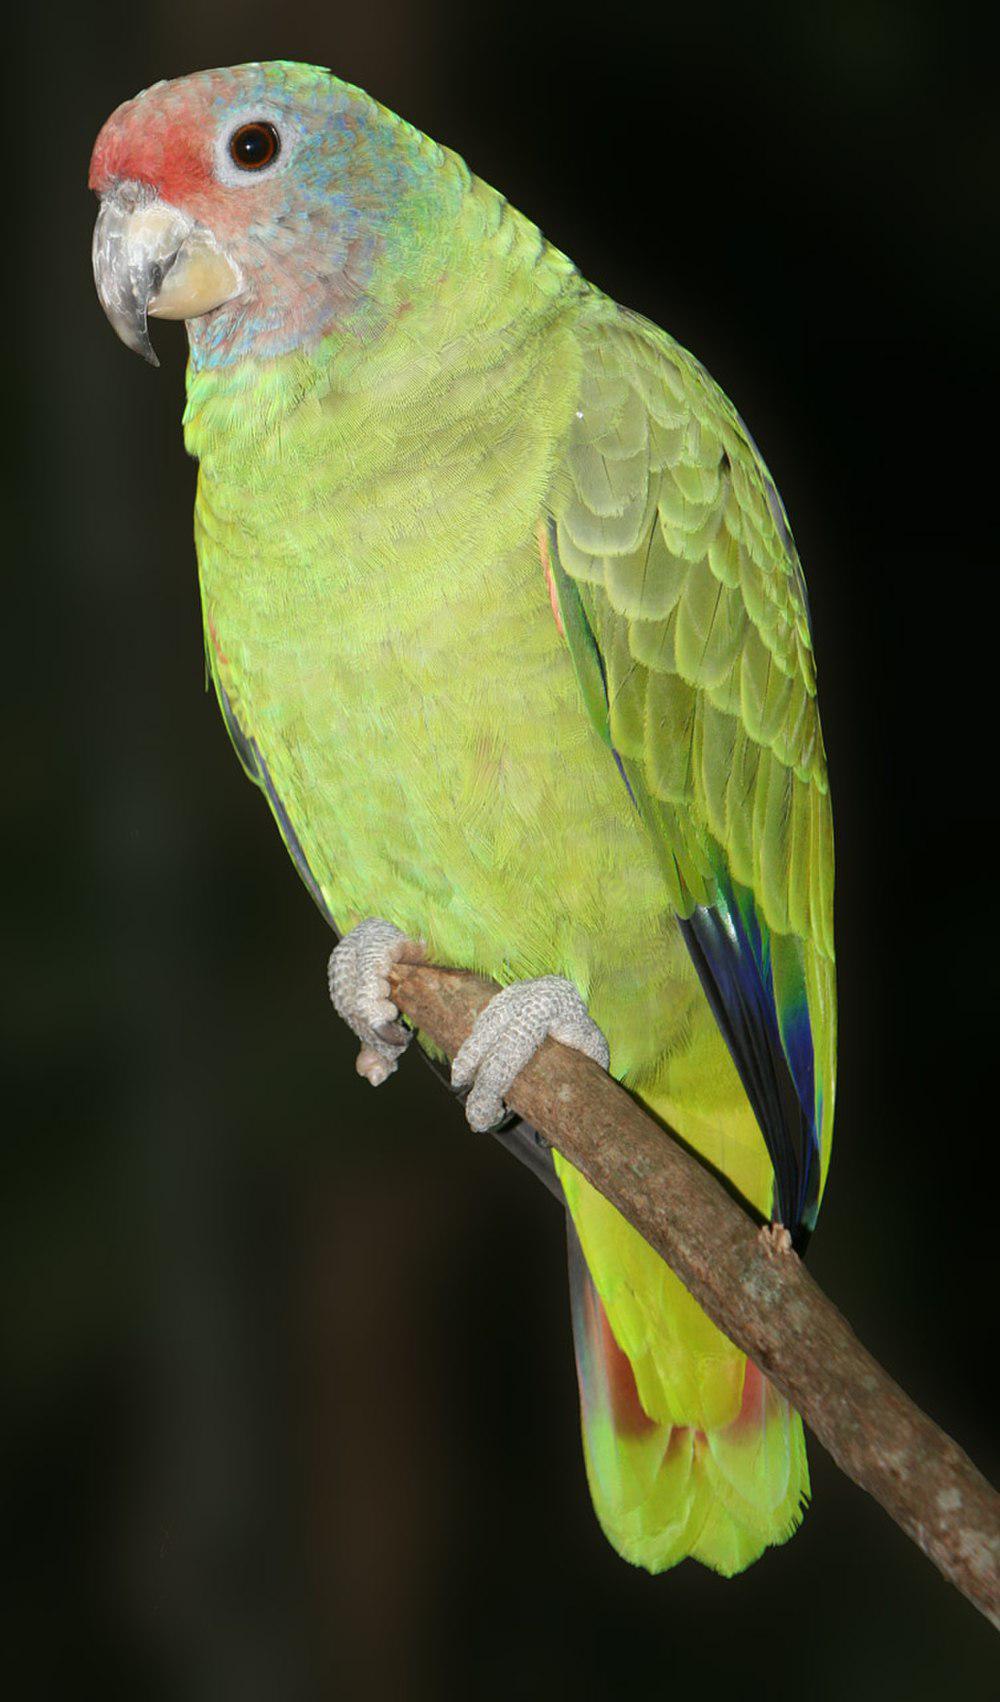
(151, 258)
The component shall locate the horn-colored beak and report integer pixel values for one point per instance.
(152, 259)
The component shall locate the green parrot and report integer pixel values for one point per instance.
(506, 620)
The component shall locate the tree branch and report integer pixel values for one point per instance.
(766, 1302)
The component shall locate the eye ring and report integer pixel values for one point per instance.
(254, 146)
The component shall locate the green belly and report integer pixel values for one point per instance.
(438, 769)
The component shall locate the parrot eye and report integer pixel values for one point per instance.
(254, 146)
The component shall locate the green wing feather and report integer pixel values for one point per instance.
(673, 535)
(684, 606)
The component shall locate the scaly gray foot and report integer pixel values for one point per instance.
(508, 1033)
(358, 975)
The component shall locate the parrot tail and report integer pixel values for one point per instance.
(663, 1491)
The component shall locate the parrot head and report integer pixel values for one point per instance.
(253, 202)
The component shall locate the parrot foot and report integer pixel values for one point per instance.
(358, 977)
(508, 1033)
(775, 1240)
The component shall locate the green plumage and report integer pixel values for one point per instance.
(387, 521)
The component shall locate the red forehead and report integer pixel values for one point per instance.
(166, 143)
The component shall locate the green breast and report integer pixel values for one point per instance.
(388, 641)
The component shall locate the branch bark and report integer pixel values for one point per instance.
(766, 1302)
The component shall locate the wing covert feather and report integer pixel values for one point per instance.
(685, 609)
(673, 534)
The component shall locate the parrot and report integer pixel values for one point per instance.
(505, 618)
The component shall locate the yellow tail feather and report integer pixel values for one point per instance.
(689, 1450)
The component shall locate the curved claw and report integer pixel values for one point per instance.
(358, 978)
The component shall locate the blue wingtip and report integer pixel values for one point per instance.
(764, 1018)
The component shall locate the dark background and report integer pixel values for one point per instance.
(291, 1409)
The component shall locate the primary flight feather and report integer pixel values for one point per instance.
(505, 618)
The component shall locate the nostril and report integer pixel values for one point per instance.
(131, 195)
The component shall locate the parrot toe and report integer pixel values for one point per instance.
(358, 978)
(508, 1033)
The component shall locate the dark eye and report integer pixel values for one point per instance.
(254, 146)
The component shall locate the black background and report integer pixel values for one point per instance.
(292, 1410)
